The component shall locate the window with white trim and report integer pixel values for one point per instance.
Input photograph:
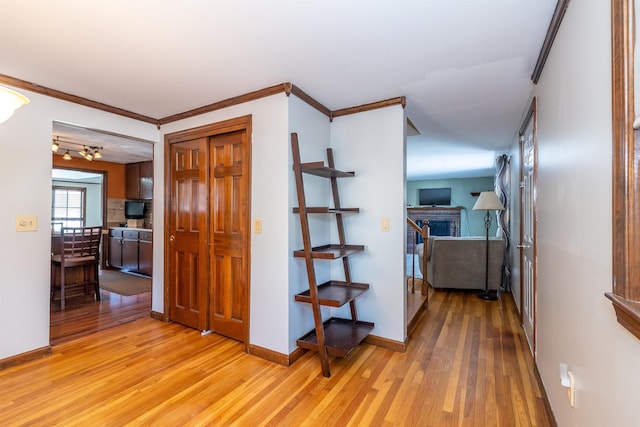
(67, 207)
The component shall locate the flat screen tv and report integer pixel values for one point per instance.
(134, 209)
(434, 196)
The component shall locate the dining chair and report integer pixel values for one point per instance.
(79, 247)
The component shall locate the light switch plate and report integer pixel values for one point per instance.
(26, 223)
(384, 225)
(257, 226)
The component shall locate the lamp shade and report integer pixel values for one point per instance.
(10, 101)
(488, 201)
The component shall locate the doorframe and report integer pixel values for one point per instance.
(209, 130)
(530, 118)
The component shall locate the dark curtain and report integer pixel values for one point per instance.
(503, 180)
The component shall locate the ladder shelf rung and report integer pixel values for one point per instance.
(319, 169)
(327, 210)
(331, 251)
(335, 293)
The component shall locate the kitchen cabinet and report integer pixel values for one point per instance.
(145, 253)
(139, 180)
(115, 248)
(131, 250)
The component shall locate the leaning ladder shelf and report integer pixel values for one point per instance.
(335, 336)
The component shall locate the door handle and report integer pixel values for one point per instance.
(523, 246)
(172, 238)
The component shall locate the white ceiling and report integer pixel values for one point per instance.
(464, 65)
(113, 147)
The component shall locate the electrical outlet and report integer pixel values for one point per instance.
(26, 223)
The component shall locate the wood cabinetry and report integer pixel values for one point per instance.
(145, 253)
(115, 248)
(139, 180)
(131, 250)
(334, 336)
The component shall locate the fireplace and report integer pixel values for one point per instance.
(439, 227)
(443, 221)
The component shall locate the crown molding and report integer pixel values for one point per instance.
(240, 99)
(371, 106)
(43, 90)
(309, 100)
(287, 88)
(554, 26)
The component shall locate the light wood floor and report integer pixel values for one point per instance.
(466, 364)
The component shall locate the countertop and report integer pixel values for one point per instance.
(130, 228)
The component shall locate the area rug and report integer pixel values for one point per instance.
(123, 283)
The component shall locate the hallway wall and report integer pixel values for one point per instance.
(576, 323)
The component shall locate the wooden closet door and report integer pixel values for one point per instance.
(187, 233)
(228, 235)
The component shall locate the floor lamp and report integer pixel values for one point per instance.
(488, 201)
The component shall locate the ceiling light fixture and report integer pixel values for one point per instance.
(88, 152)
(10, 101)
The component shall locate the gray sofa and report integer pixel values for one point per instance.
(459, 262)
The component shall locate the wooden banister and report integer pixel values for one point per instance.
(424, 232)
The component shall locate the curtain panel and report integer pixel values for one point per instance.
(503, 179)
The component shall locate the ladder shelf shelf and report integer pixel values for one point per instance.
(335, 293)
(330, 251)
(339, 336)
(335, 336)
(327, 210)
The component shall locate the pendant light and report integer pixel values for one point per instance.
(10, 101)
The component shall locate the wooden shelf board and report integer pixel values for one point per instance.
(331, 251)
(341, 336)
(327, 210)
(319, 169)
(335, 293)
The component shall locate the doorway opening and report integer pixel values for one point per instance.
(93, 193)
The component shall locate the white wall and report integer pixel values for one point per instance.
(276, 319)
(269, 293)
(576, 323)
(25, 189)
(373, 145)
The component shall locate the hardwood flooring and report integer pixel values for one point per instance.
(84, 315)
(417, 303)
(467, 364)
